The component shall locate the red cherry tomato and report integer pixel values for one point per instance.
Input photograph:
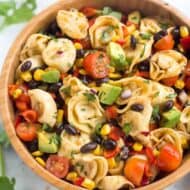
(90, 12)
(111, 112)
(58, 165)
(187, 69)
(111, 153)
(79, 181)
(169, 158)
(185, 42)
(30, 116)
(116, 133)
(21, 106)
(187, 83)
(170, 81)
(96, 64)
(27, 131)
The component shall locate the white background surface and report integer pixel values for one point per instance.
(25, 178)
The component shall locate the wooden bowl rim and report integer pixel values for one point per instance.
(5, 103)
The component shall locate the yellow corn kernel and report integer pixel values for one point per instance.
(78, 45)
(17, 93)
(111, 163)
(59, 118)
(156, 152)
(37, 153)
(92, 84)
(114, 75)
(131, 28)
(38, 74)
(71, 176)
(180, 48)
(88, 184)
(179, 84)
(137, 147)
(184, 143)
(115, 38)
(82, 72)
(111, 69)
(184, 31)
(40, 161)
(105, 130)
(79, 62)
(98, 151)
(26, 76)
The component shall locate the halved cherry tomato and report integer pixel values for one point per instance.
(18, 120)
(111, 112)
(111, 153)
(12, 88)
(96, 64)
(169, 158)
(169, 81)
(58, 165)
(116, 133)
(79, 181)
(90, 12)
(134, 170)
(150, 155)
(21, 106)
(187, 69)
(144, 74)
(26, 131)
(185, 43)
(165, 43)
(24, 98)
(30, 116)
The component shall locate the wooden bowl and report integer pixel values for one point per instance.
(148, 7)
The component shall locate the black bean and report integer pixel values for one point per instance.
(168, 105)
(88, 147)
(55, 87)
(124, 154)
(176, 33)
(26, 66)
(52, 29)
(137, 107)
(33, 84)
(133, 42)
(32, 146)
(59, 101)
(80, 53)
(96, 138)
(160, 35)
(109, 144)
(144, 66)
(70, 129)
(100, 81)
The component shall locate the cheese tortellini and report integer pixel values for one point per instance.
(103, 30)
(85, 111)
(60, 54)
(35, 45)
(167, 63)
(73, 23)
(139, 121)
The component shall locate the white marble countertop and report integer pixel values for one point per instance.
(25, 178)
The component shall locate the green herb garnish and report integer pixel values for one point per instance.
(127, 128)
(146, 36)
(155, 112)
(98, 128)
(171, 96)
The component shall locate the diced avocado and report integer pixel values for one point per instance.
(108, 94)
(51, 76)
(116, 14)
(170, 118)
(109, 11)
(47, 142)
(117, 56)
(134, 17)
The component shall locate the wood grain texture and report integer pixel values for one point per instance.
(147, 7)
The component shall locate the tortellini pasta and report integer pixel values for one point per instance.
(60, 54)
(115, 182)
(93, 167)
(35, 45)
(165, 64)
(118, 170)
(83, 113)
(73, 23)
(139, 121)
(185, 115)
(103, 30)
(70, 144)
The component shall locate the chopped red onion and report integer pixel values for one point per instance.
(93, 91)
(126, 94)
(183, 97)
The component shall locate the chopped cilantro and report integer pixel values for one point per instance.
(127, 128)
(155, 112)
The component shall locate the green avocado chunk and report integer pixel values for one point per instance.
(117, 56)
(51, 76)
(108, 94)
(46, 143)
(170, 118)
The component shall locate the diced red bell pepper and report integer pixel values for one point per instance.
(90, 12)
(116, 133)
(185, 43)
(150, 155)
(79, 181)
(30, 116)
(111, 112)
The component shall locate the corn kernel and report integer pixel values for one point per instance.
(38, 74)
(180, 48)
(92, 84)
(115, 38)
(184, 143)
(111, 163)
(156, 152)
(184, 31)
(88, 184)
(179, 84)
(111, 69)
(26, 76)
(131, 28)
(79, 62)
(40, 161)
(37, 153)
(114, 75)
(17, 93)
(137, 147)
(105, 130)
(78, 46)
(82, 72)
(98, 151)
(71, 176)
(59, 118)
